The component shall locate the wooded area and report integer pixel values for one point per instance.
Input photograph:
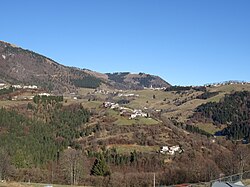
(233, 111)
(50, 142)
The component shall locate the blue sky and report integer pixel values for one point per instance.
(186, 42)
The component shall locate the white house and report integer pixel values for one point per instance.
(115, 106)
(170, 150)
(2, 86)
(164, 149)
(30, 87)
(175, 148)
(44, 94)
(107, 104)
(111, 105)
(137, 113)
(133, 116)
(128, 95)
(17, 86)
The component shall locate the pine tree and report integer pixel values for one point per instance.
(100, 168)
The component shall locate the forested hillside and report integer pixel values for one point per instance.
(31, 143)
(233, 111)
(77, 140)
(126, 80)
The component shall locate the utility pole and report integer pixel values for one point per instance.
(154, 179)
(52, 173)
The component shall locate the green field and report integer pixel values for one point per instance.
(127, 149)
(120, 120)
(209, 127)
(8, 103)
(229, 88)
(146, 99)
(166, 101)
(139, 121)
(91, 104)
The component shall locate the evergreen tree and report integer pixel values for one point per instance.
(100, 168)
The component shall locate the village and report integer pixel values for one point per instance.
(124, 111)
(171, 150)
(17, 86)
(24, 92)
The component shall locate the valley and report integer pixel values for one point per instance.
(66, 125)
(129, 143)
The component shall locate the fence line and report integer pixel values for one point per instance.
(230, 178)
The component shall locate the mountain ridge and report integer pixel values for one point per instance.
(23, 66)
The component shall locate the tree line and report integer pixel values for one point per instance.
(207, 95)
(186, 88)
(7, 90)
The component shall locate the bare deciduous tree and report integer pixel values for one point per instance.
(5, 166)
(72, 165)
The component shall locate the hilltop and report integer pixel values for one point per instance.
(126, 80)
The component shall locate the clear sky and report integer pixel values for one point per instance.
(186, 42)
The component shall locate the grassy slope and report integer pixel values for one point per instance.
(163, 100)
(209, 127)
(126, 121)
(186, 109)
(145, 99)
(127, 149)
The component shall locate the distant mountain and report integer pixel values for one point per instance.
(126, 80)
(21, 66)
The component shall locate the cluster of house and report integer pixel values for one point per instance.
(3, 85)
(171, 150)
(111, 105)
(132, 114)
(119, 92)
(226, 83)
(20, 96)
(104, 92)
(15, 98)
(152, 88)
(44, 94)
(24, 87)
(28, 97)
(138, 113)
(128, 95)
